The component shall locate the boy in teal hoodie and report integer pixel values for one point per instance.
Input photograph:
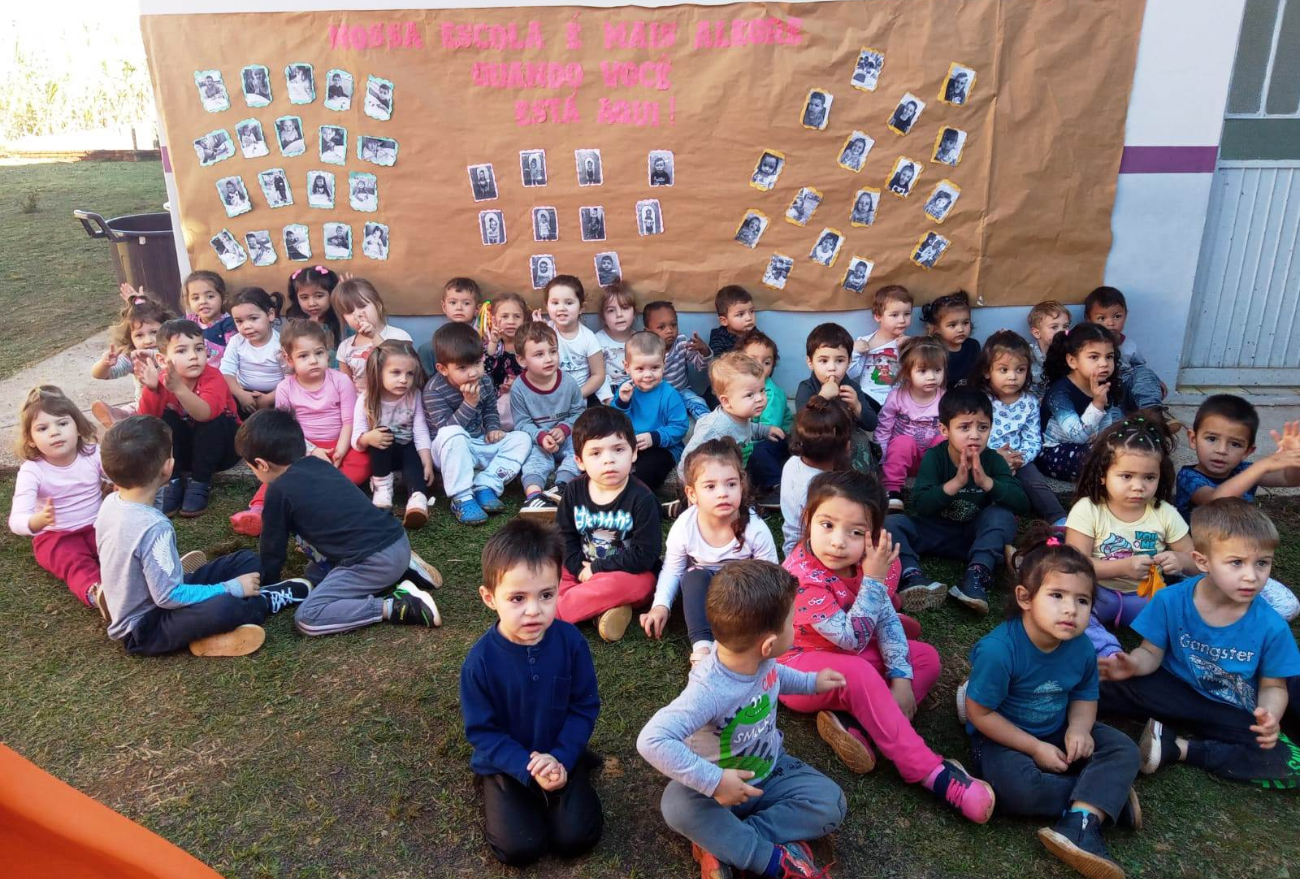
(768, 457)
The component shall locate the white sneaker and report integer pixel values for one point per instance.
(1281, 599)
(961, 701)
(381, 488)
(539, 507)
(417, 510)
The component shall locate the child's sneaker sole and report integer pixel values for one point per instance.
(1134, 820)
(242, 641)
(927, 596)
(613, 623)
(414, 519)
(979, 605)
(425, 571)
(1085, 863)
(710, 866)
(852, 753)
(1150, 746)
(961, 701)
(670, 509)
(192, 561)
(541, 514)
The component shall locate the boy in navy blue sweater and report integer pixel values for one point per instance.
(528, 695)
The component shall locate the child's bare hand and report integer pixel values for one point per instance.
(471, 391)
(170, 378)
(850, 398)
(1169, 562)
(128, 293)
(1289, 439)
(110, 356)
(1284, 459)
(379, 437)
(982, 479)
(829, 679)
(775, 433)
(1266, 728)
(557, 434)
(862, 346)
(1116, 667)
(42, 518)
(541, 763)
(644, 441)
(251, 583)
(1140, 566)
(734, 788)
(548, 444)
(553, 780)
(538, 315)
(830, 389)
(586, 573)
(700, 346)
(1050, 758)
(1078, 745)
(494, 436)
(625, 392)
(654, 621)
(426, 470)
(879, 556)
(1100, 392)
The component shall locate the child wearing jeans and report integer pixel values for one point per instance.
(1141, 387)
(611, 527)
(1031, 709)
(1046, 320)
(656, 410)
(1082, 397)
(875, 356)
(388, 425)
(908, 425)
(741, 800)
(545, 403)
(681, 354)
(528, 695)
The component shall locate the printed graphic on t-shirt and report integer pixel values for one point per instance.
(921, 429)
(745, 740)
(603, 531)
(1115, 546)
(1046, 703)
(883, 364)
(1232, 688)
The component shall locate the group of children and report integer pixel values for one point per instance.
(594, 425)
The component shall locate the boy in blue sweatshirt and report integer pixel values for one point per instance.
(528, 695)
(656, 408)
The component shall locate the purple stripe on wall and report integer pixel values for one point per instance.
(166, 161)
(1168, 160)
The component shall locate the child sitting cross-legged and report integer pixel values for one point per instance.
(681, 354)
(545, 402)
(829, 348)
(739, 385)
(965, 501)
(611, 527)
(1031, 711)
(1215, 660)
(357, 551)
(1082, 397)
(741, 800)
(389, 426)
(769, 455)
(154, 606)
(908, 425)
(528, 695)
(657, 411)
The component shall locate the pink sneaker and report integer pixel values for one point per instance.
(247, 522)
(953, 784)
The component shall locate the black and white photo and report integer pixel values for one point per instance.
(374, 241)
(228, 250)
(803, 206)
(334, 144)
(941, 200)
(903, 177)
(777, 271)
(260, 248)
(957, 85)
(827, 248)
(542, 269)
(906, 114)
(215, 146)
(234, 197)
(379, 98)
(302, 83)
(593, 223)
(865, 203)
(377, 150)
(751, 228)
(492, 227)
(930, 248)
(662, 168)
(256, 82)
(532, 167)
(483, 182)
(338, 241)
(853, 155)
(769, 167)
(320, 189)
(590, 170)
(252, 142)
(363, 191)
(546, 224)
(608, 270)
(275, 186)
(866, 74)
(649, 217)
(816, 111)
(856, 275)
(297, 245)
(338, 90)
(288, 133)
(212, 90)
(948, 147)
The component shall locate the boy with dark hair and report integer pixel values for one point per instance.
(461, 298)
(680, 354)
(829, 350)
(152, 604)
(735, 309)
(477, 458)
(1141, 386)
(192, 398)
(741, 801)
(965, 500)
(528, 694)
(358, 551)
(544, 403)
(657, 411)
(611, 527)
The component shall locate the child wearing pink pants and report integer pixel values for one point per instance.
(908, 424)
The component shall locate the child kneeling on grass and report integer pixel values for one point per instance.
(359, 551)
(152, 605)
(740, 801)
(528, 694)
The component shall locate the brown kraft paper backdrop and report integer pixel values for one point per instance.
(1045, 121)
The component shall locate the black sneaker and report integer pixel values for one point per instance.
(973, 590)
(286, 593)
(770, 498)
(539, 506)
(1076, 841)
(917, 592)
(412, 606)
(195, 500)
(1158, 746)
(895, 502)
(171, 496)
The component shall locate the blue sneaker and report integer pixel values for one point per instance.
(468, 512)
(172, 495)
(488, 500)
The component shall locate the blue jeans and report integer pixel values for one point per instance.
(165, 629)
(1141, 387)
(979, 541)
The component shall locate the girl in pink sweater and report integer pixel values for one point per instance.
(908, 424)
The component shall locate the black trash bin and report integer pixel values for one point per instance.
(143, 249)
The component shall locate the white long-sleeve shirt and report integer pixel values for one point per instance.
(687, 550)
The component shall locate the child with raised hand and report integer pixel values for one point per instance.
(769, 455)
(530, 750)
(657, 411)
(610, 524)
(844, 620)
(389, 426)
(545, 404)
(717, 529)
(829, 348)
(1215, 659)
(948, 320)
(1046, 320)
(477, 458)
(681, 354)
(357, 302)
(875, 364)
(204, 295)
(58, 490)
(461, 298)
(908, 424)
(1031, 709)
(741, 800)
(254, 363)
(739, 385)
(965, 504)
(1141, 387)
(580, 354)
(1002, 372)
(133, 338)
(503, 349)
(821, 442)
(736, 315)
(309, 294)
(1082, 397)
(617, 317)
(358, 552)
(152, 605)
(1125, 521)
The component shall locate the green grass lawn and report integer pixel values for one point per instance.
(344, 756)
(57, 283)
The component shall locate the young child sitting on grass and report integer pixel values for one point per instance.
(875, 356)
(736, 315)
(657, 411)
(742, 802)
(153, 604)
(461, 298)
(1141, 387)
(739, 385)
(545, 403)
(769, 455)
(528, 695)
(829, 347)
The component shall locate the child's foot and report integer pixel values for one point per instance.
(955, 786)
(614, 622)
(1130, 816)
(426, 575)
(195, 502)
(247, 522)
(917, 592)
(468, 512)
(895, 501)
(1076, 841)
(1158, 746)
(286, 593)
(794, 860)
(95, 595)
(852, 750)
(381, 491)
(973, 590)
(171, 496)
(417, 510)
(242, 641)
(961, 701)
(540, 507)
(193, 560)
(710, 866)
(488, 500)
(412, 606)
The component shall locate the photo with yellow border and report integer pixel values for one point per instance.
(894, 178)
(962, 97)
(952, 190)
(808, 117)
(740, 236)
(765, 180)
(856, 217)
(867, 70)
(835, 255)
(800, 202)
(933, 240)
(867, 143)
